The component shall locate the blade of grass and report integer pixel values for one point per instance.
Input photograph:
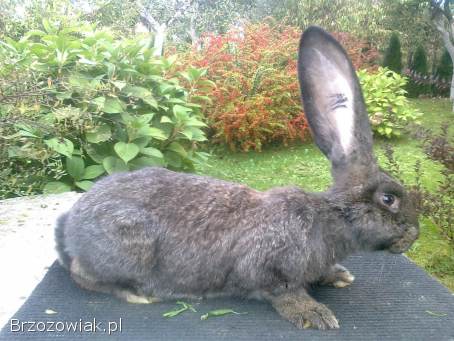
(219, 312)
(184, 306)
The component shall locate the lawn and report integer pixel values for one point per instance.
(304, 165)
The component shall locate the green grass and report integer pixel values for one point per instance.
(304, 165)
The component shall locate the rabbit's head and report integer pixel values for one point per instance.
(377, 204)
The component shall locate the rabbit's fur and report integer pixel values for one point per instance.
(154, 233)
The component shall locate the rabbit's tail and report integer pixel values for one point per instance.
(63, 257)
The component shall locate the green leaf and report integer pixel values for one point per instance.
(153, 132)
(165, 119)
(181, 113)
(206, 84)
(126, 151)
(184, 306)
(85, 185)
(75, 167)
(99, 101)
(187, 132)
(202, 99)
(98, 134)
(196, 134)
(136, 91)
(98, 152)
(177, 148)
(92, 172)
(151, 102)
(56, 187)
(142, 142)
(112, 106)
(113, 164)
(152, 152)
(64, 95)
(219, 312)
(62, 146)
(173, 159)
(119, 84)
(146, 118)
(47, 26)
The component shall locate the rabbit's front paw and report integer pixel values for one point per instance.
(304, 312)
(338, 277)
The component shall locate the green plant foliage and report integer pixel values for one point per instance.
(444, 74)
(393, 54)
(77, 103)
(418, 65)
(388, 108)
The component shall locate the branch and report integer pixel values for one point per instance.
(148, 20)
(179, 12)
(442, 20)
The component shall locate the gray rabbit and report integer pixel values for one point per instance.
(154, 234)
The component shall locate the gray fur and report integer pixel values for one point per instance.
(154, 232)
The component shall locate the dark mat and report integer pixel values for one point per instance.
(391, 299)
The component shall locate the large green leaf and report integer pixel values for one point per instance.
(142, 142)
(112, 106)
(99, 101)
(173, 159)
(113, 164)
(98, 152)
(177, 148)
(92, 172)
(152, 152)
(153, 132)
(75, 167)
(56, 187)
(62, 146)
(181, 113)
(85, 185)
(98, 134)
(194, 134)
(136, 91)
(126, 151)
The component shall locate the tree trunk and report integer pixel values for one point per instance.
(444, 24)
(159, 39)
(451, 92)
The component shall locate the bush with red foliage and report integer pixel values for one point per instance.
(256, 101)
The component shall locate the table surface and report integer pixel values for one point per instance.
(391, 299)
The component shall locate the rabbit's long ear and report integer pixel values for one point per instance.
(334, 105)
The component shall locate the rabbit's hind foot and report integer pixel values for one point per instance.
(88, 282)
(303, 311)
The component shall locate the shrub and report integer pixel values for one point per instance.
(443, 75)
(256, 101)
(418, 67)
(77, 103)
(384, 94)
(362, 54)
(393, 55)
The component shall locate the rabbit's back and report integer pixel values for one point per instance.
(176, 232)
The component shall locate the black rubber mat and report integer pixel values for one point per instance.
(391, 299)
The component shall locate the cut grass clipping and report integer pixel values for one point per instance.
(219, 312)
(213, 313)
(183, 307)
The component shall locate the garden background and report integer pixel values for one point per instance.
(93, 87)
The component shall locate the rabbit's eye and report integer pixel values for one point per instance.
(388, 199)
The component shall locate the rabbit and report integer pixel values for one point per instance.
(155, 234)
